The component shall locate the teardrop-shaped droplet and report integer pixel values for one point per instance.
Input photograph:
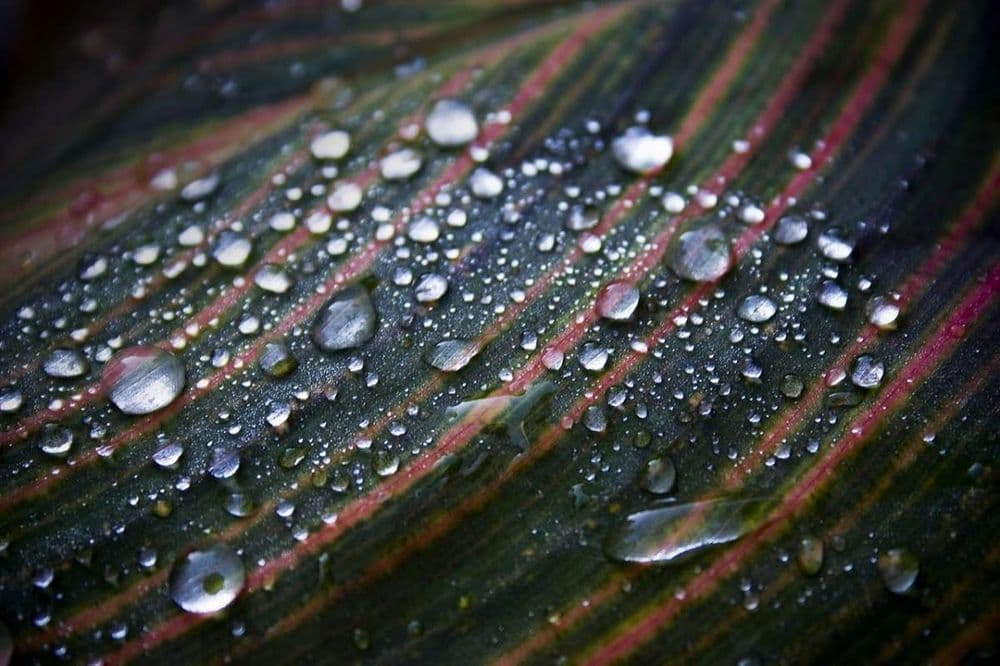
(348, 320)
(143, 379)
(452, 355)
(701, 254)
(451, 123)
(675, 532)
(640, 151)
(206, 581)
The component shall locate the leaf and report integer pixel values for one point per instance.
(465, 470)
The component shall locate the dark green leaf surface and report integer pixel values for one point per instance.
(390, 519)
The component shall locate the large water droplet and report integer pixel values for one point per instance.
(143, 379)
(658, 476)
(206, 581)
(867, 372)
(882, 312)
(276, 360)
(348, 320)
(451, 123)
(791, 229)
(55, 440)
(674, 532)
(831, 295)
(452, 355)
(701, 254)
(485, 184)
(640, 151)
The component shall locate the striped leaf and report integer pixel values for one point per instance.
(401, 333)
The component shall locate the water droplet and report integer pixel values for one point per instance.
(276, 360)
(791, 229)
(345, 197)
(55, 440)
(11, 400)
(273, 279)
(675, 532)
(617, 301)
(206, 581)
(430, 287)
(834, 246)
(867, 372)
(423, 230)
(831, 295)
(899, 569)
(658, 476)
(168, 455)
(142, 379)
(810, 555)
(594, 419)
(452, 355)
(451, 123)
(231, 249)
(593, 356)
(66, 364)
(757, 309)
(582, 218)
(201, 188)
(640, 151)
(701, 254)
(791, 386)
(485, 184)
(882, 312)
(401, 164)
(348, 320)
(331, 145)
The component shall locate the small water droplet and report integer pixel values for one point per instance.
(791, 229)
(867, 372)
(882, 312)
(757, 309)
(810, 555)
(658, 476)
(276, 360)
(401, 164)
(485, 184)
(831, 295)
(231, 249)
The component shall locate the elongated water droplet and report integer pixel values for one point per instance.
(348, 320)
(451, 123)
(206, 581)
(143, 379)
(273, 279)
(452, 355)
(675, 532)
